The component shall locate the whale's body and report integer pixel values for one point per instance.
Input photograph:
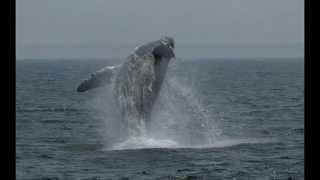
(136, 82)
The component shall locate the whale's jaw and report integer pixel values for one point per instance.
(160, 68)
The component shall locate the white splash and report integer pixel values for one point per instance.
(142, 142)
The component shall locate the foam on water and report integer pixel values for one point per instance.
(147, 143)
(142, 142)
(233, 142)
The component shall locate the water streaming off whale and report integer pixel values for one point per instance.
(178, 119)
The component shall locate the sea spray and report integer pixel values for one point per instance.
(181, 116)
(178, 119)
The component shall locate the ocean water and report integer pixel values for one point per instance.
(216, 119)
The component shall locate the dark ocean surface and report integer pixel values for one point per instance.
(217, 119)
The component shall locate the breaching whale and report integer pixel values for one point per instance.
(136, 82)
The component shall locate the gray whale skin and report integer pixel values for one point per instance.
(136, 82)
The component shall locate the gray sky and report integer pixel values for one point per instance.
(111, 28)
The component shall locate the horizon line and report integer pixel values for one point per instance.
(122, 44)
(184, 58)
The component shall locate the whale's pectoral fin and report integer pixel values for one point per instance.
(98, 78)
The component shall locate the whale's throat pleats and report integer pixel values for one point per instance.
(160, 69)
(136, 89)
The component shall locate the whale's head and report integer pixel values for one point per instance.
(165, 50)
(169, 41)
(162, 50)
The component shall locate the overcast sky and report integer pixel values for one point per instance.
(103, 27)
